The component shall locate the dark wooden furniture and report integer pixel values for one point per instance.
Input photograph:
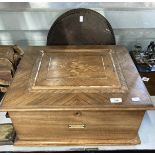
(145, 72)
(76, 95)
(150, 84)
(81, 27)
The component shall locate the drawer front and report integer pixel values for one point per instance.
(78, 125)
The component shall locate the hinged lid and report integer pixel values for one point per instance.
(76, 77)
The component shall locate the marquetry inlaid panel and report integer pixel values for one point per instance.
(72, 71)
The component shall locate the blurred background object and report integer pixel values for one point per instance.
(9, 59)
(28, 23)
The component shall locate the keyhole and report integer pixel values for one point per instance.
(78, 113)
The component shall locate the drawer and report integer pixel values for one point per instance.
(76, 124)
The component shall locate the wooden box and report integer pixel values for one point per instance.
(71, 95)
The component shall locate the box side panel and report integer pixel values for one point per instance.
(76, 127)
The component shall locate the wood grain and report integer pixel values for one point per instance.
(53, 127)
(77, 72)
(60, 95)
(128, 82)
(95, 142)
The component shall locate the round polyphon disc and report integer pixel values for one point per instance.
(81, 27)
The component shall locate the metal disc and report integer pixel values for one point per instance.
(81, 27)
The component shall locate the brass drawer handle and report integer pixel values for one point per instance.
(78, 126)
